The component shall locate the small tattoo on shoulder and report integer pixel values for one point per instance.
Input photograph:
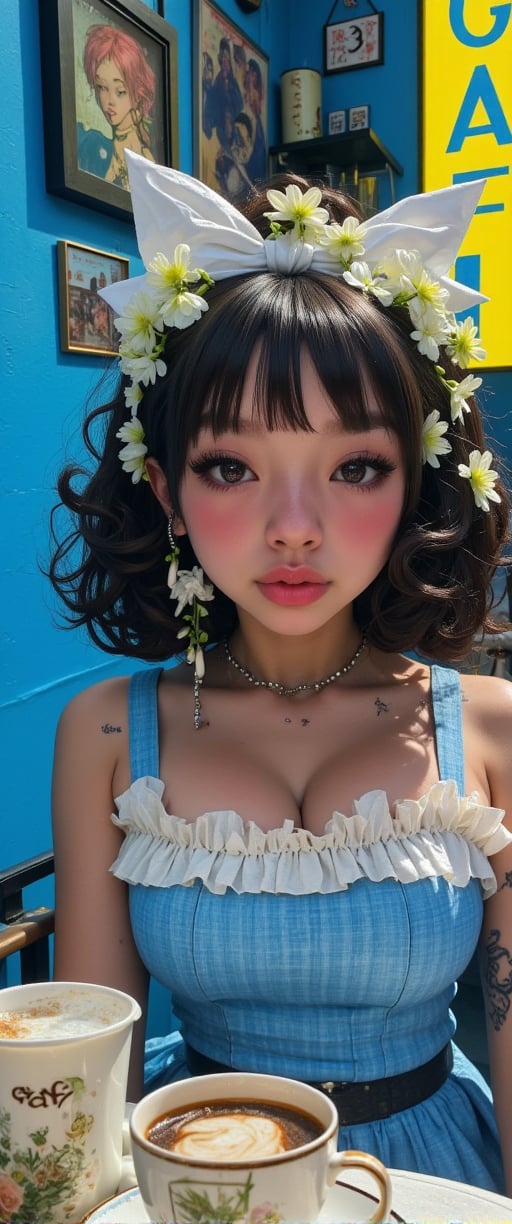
(382, 707)
(108, 729)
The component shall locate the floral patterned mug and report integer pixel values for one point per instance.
(64, 1051)
(242, 1148)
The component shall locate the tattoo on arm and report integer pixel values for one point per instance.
(507, 881)
(107, 729)
(498, 976)
(381, 706)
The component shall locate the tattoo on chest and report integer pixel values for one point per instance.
(382, 707)
(507, 881)
(304, 722)
(498, 976)
(108, 729)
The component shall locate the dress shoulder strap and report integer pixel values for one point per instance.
(447, 709)
(143, 724)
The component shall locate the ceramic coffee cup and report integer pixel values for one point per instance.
(229, 1159)
(64, 1051)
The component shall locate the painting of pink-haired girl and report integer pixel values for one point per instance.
(123, 83)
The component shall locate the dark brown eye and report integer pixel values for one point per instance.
(354, 471)
(231, 470)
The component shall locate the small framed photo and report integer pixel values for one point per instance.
(358, 118)
(337, 122)
(109, 75)
(86, 322)
(230, 104)
(356, 43)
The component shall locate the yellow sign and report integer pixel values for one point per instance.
(467, 134)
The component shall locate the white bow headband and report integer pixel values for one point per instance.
(172, 208)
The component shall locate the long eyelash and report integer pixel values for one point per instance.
(382, 465)
(205, 462)
(380, 462)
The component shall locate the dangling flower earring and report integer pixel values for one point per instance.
(173, 557)
(189, 587)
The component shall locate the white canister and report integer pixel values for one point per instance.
(301, 104)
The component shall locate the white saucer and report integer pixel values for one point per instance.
(343, 1202)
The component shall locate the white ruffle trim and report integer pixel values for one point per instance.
(440, 834)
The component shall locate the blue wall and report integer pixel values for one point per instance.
(43, 390)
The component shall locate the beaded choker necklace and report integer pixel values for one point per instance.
(281, 689)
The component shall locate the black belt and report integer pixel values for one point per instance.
(366, 1102)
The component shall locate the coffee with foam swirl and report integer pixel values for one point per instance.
(233, 1132)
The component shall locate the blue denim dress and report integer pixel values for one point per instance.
(330, 957)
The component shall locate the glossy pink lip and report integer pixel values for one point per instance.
(293, 587)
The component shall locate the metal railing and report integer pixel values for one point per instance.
(23, 930)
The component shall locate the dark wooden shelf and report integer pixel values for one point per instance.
(362, 149)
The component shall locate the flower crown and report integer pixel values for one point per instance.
(400, 257)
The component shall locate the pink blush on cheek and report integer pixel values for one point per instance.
(376, 526)
(217, 528)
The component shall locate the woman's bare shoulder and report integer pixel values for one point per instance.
(92, 733)
(489, 698)
(487, 705)
(103, 705)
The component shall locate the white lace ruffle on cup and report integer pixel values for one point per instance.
(440, 834)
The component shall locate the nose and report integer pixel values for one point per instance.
(293, 519)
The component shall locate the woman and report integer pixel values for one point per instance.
(305, 812)
(124, 87)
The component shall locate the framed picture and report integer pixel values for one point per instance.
(358, 118)
(109, 72)
(356, 43)
(86, 322)
(230, 104)
(337, 122)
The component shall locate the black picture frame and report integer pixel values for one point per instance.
(357, 42)
(78, 147)
(217, 160)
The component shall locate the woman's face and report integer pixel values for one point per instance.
(112, 94)
(242, 148)
(294, 525)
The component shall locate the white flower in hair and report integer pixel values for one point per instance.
(429, 332)
(133, 395)
(481, 477)
(165, 275)
(181, 309)
(407, 269)
(458, 393)
(142, 367)
(433, 442)
(464, 344)
(189, 586)
(361, 277)
(178, 307)
(345, 240)
(133, 455)
(299, 208)
(137, 325)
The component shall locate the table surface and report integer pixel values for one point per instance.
(433, 1200)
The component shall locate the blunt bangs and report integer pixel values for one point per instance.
(355, 350)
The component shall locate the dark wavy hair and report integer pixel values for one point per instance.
(434, 594)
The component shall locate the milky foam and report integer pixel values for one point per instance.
(230, 1136)
(51, 1018)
